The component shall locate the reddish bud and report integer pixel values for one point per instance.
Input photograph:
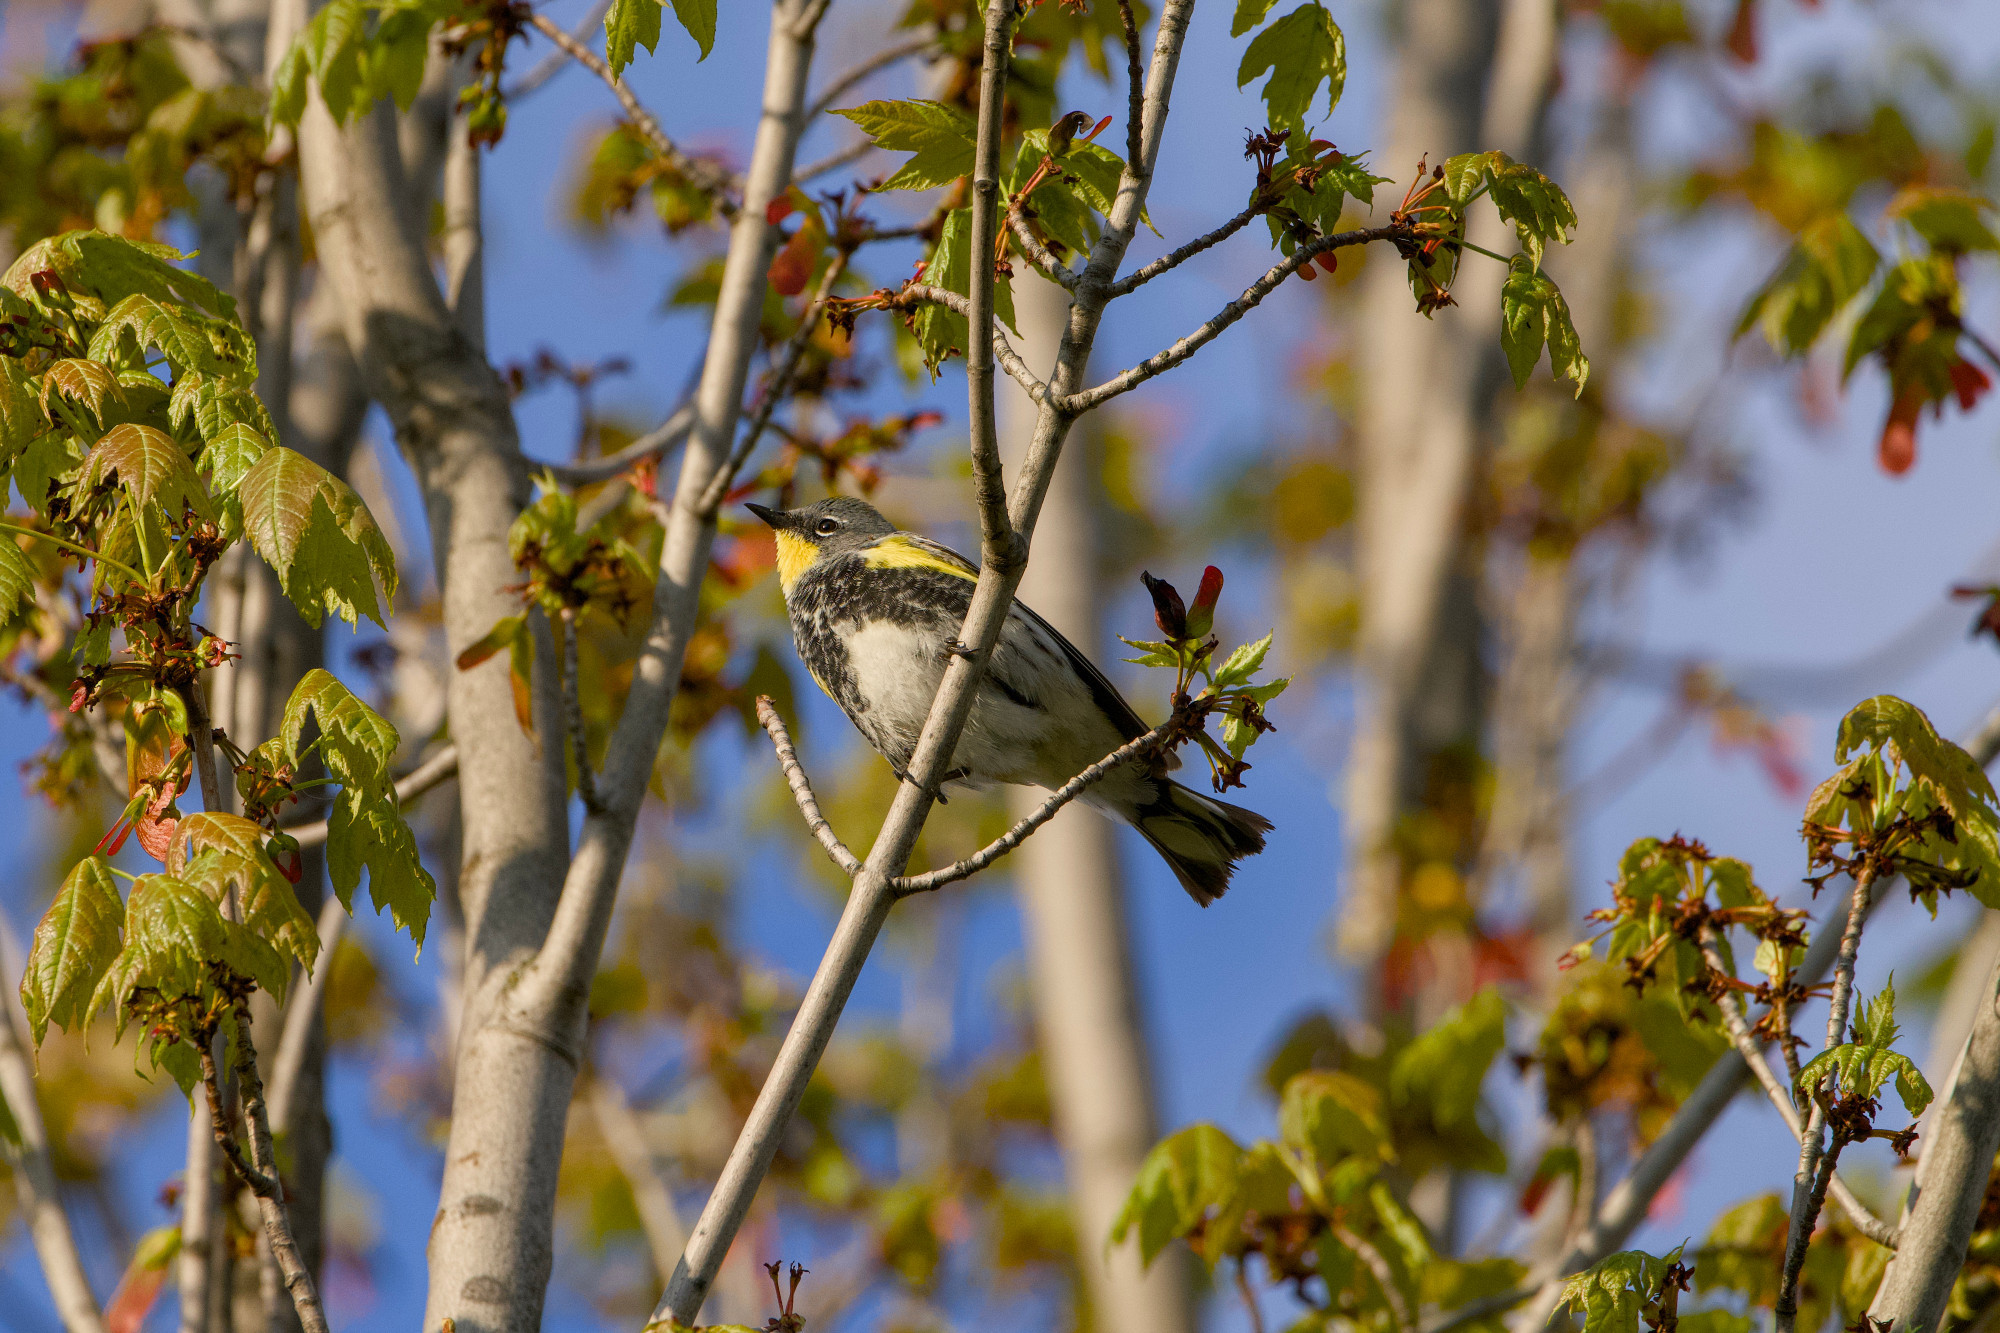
(1970, 383)
(778, 209)
(1306, 271)
(79, 696)
(1169, 612)
(47, 282)
(1897, 451)
(1201, 616)
(1329, 261)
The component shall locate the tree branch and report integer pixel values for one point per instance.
(1135, 82)
(1625, 1206)
(705, 175)
(555, 62)
(260, 1173)
(35, 1184)
(989, 487)
(881, 60)
(1385, 1277)
(1747, 1046)
(1003, 557)
(1808, 1186)
(1145, 273)
(1042, 814)
(802, 792)
(1010, 360)
(1161, 362)
(652, 444)
(834, 161)
(435, 771)
(776, 390)
(1962, 1138)
(1040, 255)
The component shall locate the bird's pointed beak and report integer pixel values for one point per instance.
(774, 517)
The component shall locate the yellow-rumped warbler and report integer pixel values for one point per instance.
(875, 613)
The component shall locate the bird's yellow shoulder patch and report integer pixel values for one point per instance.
(900, 552)
(795, 557)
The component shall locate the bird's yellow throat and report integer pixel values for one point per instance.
(795, 557)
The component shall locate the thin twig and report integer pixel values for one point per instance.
(555, 62)
(652, 444)
(881, 60)
(1249, 1296)
(432, 772)
(989, 488)
(579, 741)
(1040, 255)
(802, 792)
(1161, 362)
(260, 1173)
(779, 387)
(834, 161)
(138, 579)
(1145, 273)
(1747, 1045)
(1135, 81)
(1010, 360)
(1042, 814)
(1808, 1190)
(705, 175)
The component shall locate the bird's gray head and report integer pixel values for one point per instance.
(815, 531)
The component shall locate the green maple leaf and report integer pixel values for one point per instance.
(1302, 50)
(74, 943)
(940, 136)
(312, 528)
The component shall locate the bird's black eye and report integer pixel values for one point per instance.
(826, 527)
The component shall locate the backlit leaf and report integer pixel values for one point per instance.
(630, 24)
(312, 528)
(940, 136)
(151, 467)
(1533, 314)
(74, 943)
(1302, 50)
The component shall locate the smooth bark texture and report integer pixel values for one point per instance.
(491, 1246)
(1416, 445)
(1961, 1139)
(1471, 74)
(1085, 994)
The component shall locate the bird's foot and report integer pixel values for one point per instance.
(957, 649)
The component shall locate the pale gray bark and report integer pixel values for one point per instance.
(1960, 1143)
(35, 1186)
(1471, 74)
(491, 1246)
(1085, 995)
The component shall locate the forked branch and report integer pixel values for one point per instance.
(260, 1172)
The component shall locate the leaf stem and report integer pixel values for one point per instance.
(1464, 244)
(26, 531)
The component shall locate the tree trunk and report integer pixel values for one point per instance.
(1417, 656)
(1087, 1011)
(1961, 1140)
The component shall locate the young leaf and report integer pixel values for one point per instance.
(1533, 313)
(1302, 50)
(1828, 266)
(312, 528)
(151, 467)
(1330, 1115)
(940, 136)
(111, 268)
(231, 453)
(17, 579)
(1435, 1081)
(366, 830)
(1242, 664)
(188, 340)
(74, 943)
(1182, 1178)
(217, 852)
(698, 17)
(1249, 13)
(1611, 1294)
(356, 741)
(1867, 1064)
(630, 24)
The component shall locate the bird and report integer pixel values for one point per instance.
(876, 613)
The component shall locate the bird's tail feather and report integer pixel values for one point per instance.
(1200, 838)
